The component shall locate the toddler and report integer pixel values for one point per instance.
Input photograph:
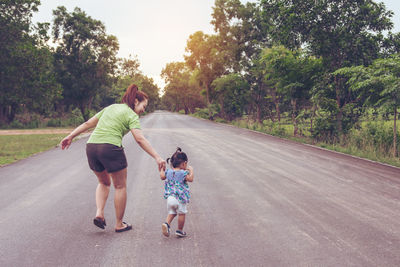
(176, 191)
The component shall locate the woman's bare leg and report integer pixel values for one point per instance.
(102, 191)
(119, 181)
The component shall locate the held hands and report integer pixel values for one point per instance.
(161, 163)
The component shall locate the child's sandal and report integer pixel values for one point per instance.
(165, 229)
(180, 233)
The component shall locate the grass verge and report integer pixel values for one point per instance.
(354, 151)
(366, 151)
(17, 147)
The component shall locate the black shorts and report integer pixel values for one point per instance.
(106, 157)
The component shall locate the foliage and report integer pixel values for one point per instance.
(232, 93)
(27, 78)
(209, 112)
(341, 32)
(182, 90)
(85, 57)
(299, 65)
(242, 33)
(205, 57)
(293, 74)
(381, 83)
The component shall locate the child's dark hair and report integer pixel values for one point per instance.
(177, 158)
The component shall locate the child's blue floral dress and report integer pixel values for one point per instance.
(176, 185)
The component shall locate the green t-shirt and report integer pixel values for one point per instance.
(114, 122)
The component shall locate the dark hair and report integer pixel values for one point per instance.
(132, 93)
(177, 158)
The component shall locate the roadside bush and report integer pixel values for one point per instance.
(373, 137)
(26, 121)
(201, 113)
(278, 131)
(16, 124)
(54, 122)
(208, 112)
(325, 130)
(72, 119)
(221, 120)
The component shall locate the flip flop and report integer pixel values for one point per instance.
(99, 222)
(127, 228)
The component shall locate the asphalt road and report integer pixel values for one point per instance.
(256, 201)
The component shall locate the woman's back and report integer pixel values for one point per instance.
(114, 122)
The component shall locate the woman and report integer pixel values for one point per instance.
(106, 155)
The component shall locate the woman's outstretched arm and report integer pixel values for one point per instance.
(91, 123)
(146, 146)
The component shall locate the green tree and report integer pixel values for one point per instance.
(27, 79)
(232, 92)
(379, 84)
(293, 74)
(242, 32)
(263, 97)
(130, 67)
(205, 57)
(126, 70)
(86, 57)
(343, 33)
(181, 91)
(391, 44)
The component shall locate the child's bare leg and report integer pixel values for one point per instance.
(181, 221)
(169, 218)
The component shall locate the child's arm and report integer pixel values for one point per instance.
(162, 173)
(190, 176)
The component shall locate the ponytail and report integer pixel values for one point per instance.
(177, 158)
(132, 93)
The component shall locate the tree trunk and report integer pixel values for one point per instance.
(314, 108)
(270, 115)
(2, 114)
(339, 116)
(278, 113)
(276, 103)
(293, 101)
(259, 103)
(208, 95)
(11, 111)
(395, 133)
(210, 116)
(84, 112)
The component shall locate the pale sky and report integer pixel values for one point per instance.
(154, 30)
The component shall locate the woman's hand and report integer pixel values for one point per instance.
(92, 122)
(66, 142)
